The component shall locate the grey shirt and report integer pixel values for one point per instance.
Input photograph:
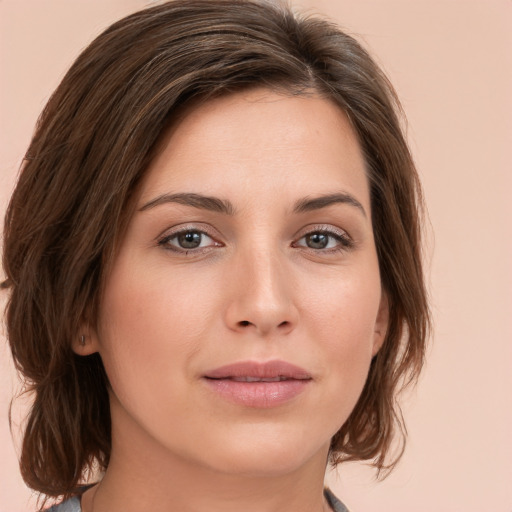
(73, 504)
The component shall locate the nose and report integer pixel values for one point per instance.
(261, 298)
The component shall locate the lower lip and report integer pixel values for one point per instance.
(262, 395)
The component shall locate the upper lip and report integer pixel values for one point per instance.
(259, 370)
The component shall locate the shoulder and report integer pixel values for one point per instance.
(71, 505)
(334, 503)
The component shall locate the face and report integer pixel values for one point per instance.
(244, 305)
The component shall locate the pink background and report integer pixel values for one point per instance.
(450, 62)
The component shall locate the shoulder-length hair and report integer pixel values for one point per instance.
(92, 146)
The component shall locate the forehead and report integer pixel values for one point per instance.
(257, 142)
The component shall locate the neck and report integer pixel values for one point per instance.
(142, 475)
(213, 495)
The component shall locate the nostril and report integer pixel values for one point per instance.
(284, 324)
(245, 323)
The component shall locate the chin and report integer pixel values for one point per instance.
(267, 455)
(261, 466)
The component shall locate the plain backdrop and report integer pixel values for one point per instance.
(450, 61)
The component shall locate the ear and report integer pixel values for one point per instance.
(85, 342)
(381, 324)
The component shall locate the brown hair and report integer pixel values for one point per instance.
(93, 143)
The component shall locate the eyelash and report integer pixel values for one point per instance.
(164, 241)
(343, 240)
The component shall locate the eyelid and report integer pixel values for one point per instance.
(324, 228)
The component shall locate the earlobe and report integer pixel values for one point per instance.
(381, 324)
(85, 343)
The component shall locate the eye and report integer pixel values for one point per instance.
(320, 241)
(325, 240)
(187, 240)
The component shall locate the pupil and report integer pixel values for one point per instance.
(190, 240)
(317, 241)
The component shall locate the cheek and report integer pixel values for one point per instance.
(342, 320)
(148, 329)
(150, 303)
(345, 310)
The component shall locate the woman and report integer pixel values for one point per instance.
(213, 258)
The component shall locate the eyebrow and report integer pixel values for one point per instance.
(224, 206)
(316, 203)
(213, 204)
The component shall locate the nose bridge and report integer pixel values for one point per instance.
(262, 298)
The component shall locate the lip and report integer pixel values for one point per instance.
(256, 384)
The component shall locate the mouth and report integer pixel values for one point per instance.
(258, 379)
(255, 371)
(258, 385)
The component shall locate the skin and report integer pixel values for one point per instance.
(254, 290)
